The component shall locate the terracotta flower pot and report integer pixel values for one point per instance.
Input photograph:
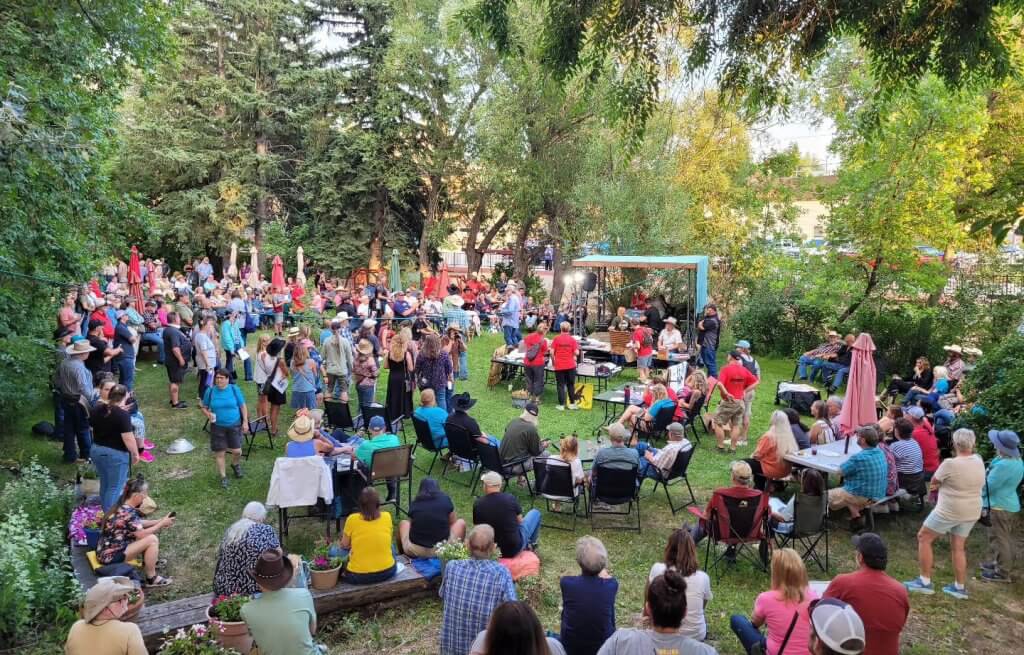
(325, 579)
(230, 634)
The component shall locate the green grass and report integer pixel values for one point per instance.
(189, 485)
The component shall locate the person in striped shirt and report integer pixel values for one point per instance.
(823, 352)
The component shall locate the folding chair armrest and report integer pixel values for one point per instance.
(699, 513)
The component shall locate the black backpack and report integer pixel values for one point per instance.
(648, 340)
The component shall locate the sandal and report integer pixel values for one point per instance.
(157, 581)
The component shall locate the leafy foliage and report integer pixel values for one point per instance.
(997, 380)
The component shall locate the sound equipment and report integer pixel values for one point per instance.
(590, 282)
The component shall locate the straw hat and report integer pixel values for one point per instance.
(972, 351)
(301, 429)
(364, 347)
(82, 347)
(955, 348)
(103, 593)
(293, 332)
(341, 316)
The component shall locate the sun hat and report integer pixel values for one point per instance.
(275, 347)
(273, 570)
(838, 626)
(369, 323)
(341, 316)
(293, 332)
(492, 479)
(364, 347)
(301, 429)
(872, 549)
(1006, 442)
(743, 343)
(463, 401)
(103, 593)
(307, 343)
(672, 320)
(79, 347)
(954, 348)
(377, 423)
(832, 333)
(180, 447)
(974, 352)
(915, 412)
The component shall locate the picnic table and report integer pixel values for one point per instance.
(827, 458)
(585, 370)
(613, 399)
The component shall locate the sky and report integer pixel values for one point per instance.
(812, 140)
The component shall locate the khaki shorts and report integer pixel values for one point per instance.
(839, 498)
(415, 550)
(748, 404)
(729, 414)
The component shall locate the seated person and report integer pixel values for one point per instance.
(920, 380)
(924, 435)
(126, 535)
(659, 461)
(811, 484)
(521, 440)
(681, 557)
(836, 628)
(887, 424)
(463, 402)
(377, 439)
(301, 442)
(101, 630)
(865, 477)
(742, 478)
(940, 386)
(588, 600)
(432, 520)
(695, 391)
(824, 351)
(617, 455)
(367, 539)
(799, 429)
(282, 618)
(909, 459)
(659, 399)
(240, 549)
(433, 416)
(839, 365)
(569, 452)
(665, 606)
(513, 531)
(789, 598)
(514, 628)
(769, 458)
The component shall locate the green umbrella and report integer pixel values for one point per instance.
(395, 277)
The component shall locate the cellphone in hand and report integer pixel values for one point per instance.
(172, 514)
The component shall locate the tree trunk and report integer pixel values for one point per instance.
(871, 284)
(433, 209)
(558, 264)
(473, 255)
(377, 239)
(521, 254)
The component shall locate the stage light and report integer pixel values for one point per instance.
(577, 276)
(567, 278)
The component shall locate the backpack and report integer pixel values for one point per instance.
(648, 340)
(533, 351)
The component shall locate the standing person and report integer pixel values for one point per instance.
(642, 341)
(224, 406)
(511, 312)
(1003, 478)
(399, 364)
(565, 352)
(588, 600)
(924, 435)
(177, 353)
(433, 370)
(206, 354)
(784, 610)
(459, 352)
(364, 372)
(880, 601)
(708, 330)
(305, 373)
(230, 341)
(278, 300)
(733, 384)
(535, 360)
(99, 361)
(749, 363)
(114, 447)
(270, 363)
(959, 481)
(281, 618)
(74, 384)
(681, 556)
(124, 343)
(513, 531)
(338, 360)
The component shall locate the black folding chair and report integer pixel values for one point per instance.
(738, 518)
(915, 486)
(490, 459)
(392, 464)
(462, 445)
(256, 426)
(657, 428)
(367, 412)
(338, 415)
(425, 440)
(614, 487)
(809, 529)
(693, 417)
(553, 481)
(675, 475)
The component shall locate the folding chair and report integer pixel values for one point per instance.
(490, 459)
(651, 431)
(677, 473)
(367, 412)
(424, 440)
(737, 517)
(461, 444)
(915, 486)
(553, 481)
(293, 484)
(693, 417)
(392, 464)
(260, 424)
(810, 527)
(614, 487)
(338, 415)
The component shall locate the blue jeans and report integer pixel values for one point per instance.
(512, 336)
(463, 365)
(647, 469)
(708, 356)
(247, 364)
(125, 372)
(441, 396)
(944, 418)
(839, 370)
(529, 529)
(58, 416)
(748, 635)
(913, 396)
(112, 466)
(804, 362)
(77, 437)
(229, 364)
(156, 338)
(365, 394)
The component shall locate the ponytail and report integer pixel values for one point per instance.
(131, 487)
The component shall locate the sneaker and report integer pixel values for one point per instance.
(237, 469)
(181, 405)
(573, 406)
(224, 482)
(991, 575)
(148, 445)
(560, 408)
(741, 443)
(919, 587)
(987, 566)
(146, 456)
(954, 591)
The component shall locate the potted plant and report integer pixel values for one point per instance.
(93, 531)
(90, 485)
(227, 626)
(82, 515)
(448, 551)
(324, 569)
(136, 601)
(196, 640)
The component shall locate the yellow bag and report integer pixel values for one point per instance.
(585, 395)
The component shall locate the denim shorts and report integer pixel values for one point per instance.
(943, 526)
(644, 362)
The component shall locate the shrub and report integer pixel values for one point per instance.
(996, 383)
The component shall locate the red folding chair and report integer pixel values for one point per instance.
(737, 518)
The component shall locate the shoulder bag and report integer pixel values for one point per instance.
(789, 633)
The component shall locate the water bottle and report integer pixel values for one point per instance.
(628, 392)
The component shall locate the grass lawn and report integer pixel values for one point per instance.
(189, 485)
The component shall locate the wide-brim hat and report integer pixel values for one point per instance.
(273, 570)
(1005, 441)
(293, 332)
(672, 320)
(103, 593)
(369, 323)
(954, 348)
(454, 327)
(832, 333)
(364, 347)
(301, 429)
(275, 347)
(341, 316)
(180, 447)
(79, 348)
(463, 401)
(972, 351)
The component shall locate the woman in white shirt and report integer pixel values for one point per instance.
(823, 431)
(206, 353)
(681, 556)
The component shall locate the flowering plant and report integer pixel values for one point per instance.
(321, 557)
(84, 516)
(448, 551)
(228, 608)
(197, 640)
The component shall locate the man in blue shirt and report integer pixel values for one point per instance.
(511, 316)
(401, 306)
(865, 476)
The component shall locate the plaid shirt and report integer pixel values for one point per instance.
(866, 474)
(826, 349)
(457, 316)
(471, 589)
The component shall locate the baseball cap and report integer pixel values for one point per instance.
(492, 479)
(532, 408)
(872, 549)
(676, 427)
(743, 343)
(915, 412)
(377, 423)
(838, 626)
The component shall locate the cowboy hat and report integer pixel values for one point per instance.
(273, 570)
(955, 348)
(103, 593)
(454, 326)
(293, 332)
(463, 401)
(364, 347)
(341, 316)
(301, 429)
(79, 348)
(671, 319)
(972, 351)
(369, 323)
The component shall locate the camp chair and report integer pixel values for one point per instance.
(693, 417)
(462, 445)
(651, 431)
(425, 440)
(736, 517)
(809, 528)
(915, 486)
(293, 484)
(677, 473)
(395, 425)
(256, 426)
(614, 487)
(338, 415)
(553, 481)
(490, 459)
(392, 464)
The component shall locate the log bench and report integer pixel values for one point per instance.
(161, 618)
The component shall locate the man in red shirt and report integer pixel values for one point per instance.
(642, 340)
(564, 352)
(881, 602)
(924, 435)
(535, 360)
(734, 380)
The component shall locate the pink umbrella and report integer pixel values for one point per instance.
(859, 405)
(135, 280)
(277, 275)
(152, 279)
(442, 282)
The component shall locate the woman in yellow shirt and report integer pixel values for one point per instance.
(367, 536)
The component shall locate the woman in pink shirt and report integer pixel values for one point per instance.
(783, 610)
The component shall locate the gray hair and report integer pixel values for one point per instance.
(481, 541)
(964, 440)
(591, 555)
(835, 400)
(254, 512)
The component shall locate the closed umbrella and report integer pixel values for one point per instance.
(233, 266)
(254, 268)
(277, 275)
(859, 405)
(300, 258)
(135, 280)
(442, 283)
(395, 275)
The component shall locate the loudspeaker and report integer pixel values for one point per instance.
(590, 282)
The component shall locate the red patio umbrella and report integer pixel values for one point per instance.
(442, 282)
(152, 275)
(859, 404)
(277, 275)
(135, 280)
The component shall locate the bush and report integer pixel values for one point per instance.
(996, 384)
